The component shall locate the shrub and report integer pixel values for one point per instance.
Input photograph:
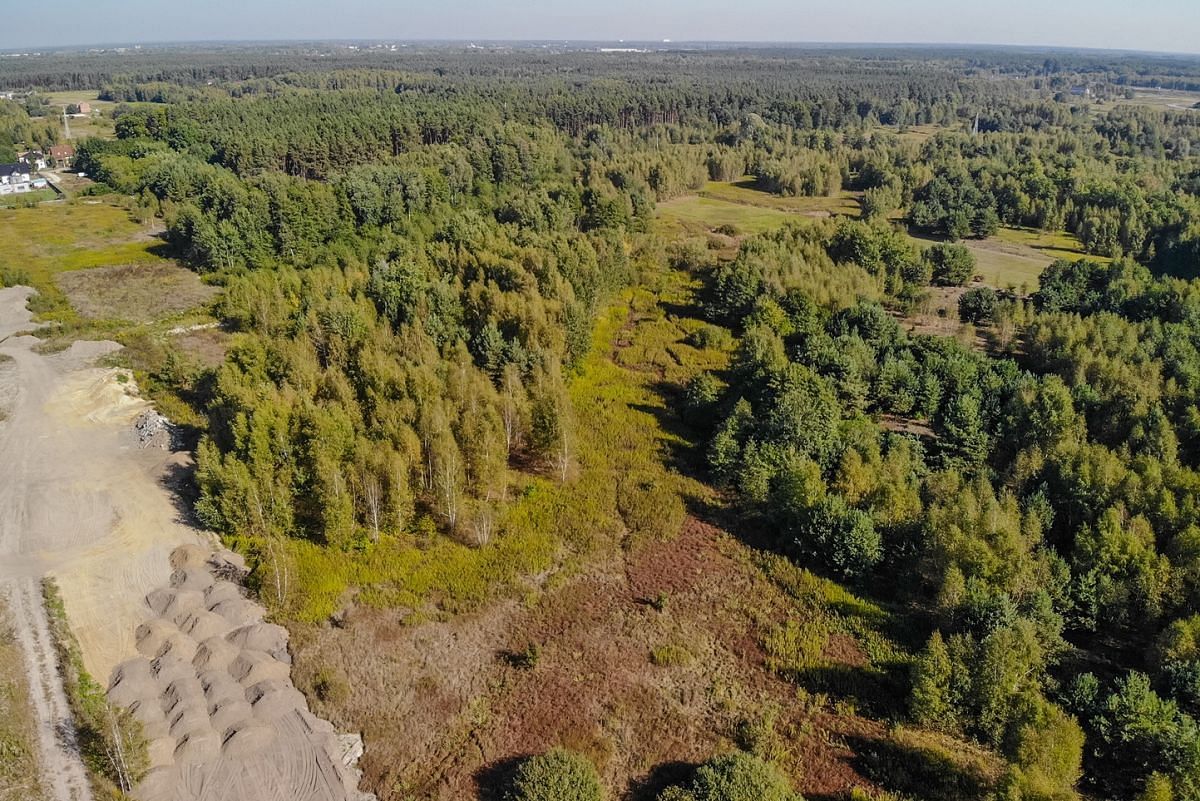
(557, 775)
(670, 655)
(953, 265)
(741, 777)
(977, 305)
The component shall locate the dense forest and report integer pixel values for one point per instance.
(415, 249)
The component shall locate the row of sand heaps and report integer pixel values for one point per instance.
(213, 692)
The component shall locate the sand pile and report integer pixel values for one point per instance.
(212, 689)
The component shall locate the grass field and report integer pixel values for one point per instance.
(917, 134)
(746, 209)
(36, 244)
(1015, 257)
(83, 127)
(746, 192)
(138, 293)
(698, 215)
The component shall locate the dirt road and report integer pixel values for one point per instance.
(64, 772)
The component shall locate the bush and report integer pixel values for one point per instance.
(700, 398)
(557, 775)
(740, 777)
(953, 265)
(977, 305)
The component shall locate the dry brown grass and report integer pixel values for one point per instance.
(446, 706)
(138, 293)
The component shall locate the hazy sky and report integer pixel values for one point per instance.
(1172, 25)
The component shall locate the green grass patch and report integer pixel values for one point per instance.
(38, 243)
(740, 207)
(671, 654)
(1015, 257)
(27, 198)
(696, 214)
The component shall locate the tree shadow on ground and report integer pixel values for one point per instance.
(494, 778)
(658, 779)
(179, 479)
(919, 772)
(878, 692)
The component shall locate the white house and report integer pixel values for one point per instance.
(36, 159)
(15, 178)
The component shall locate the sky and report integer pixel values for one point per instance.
(1162, 25)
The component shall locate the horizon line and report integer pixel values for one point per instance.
(670, 43)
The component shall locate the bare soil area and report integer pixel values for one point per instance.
(140, 293)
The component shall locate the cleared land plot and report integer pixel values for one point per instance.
(917, 134)
(1015, 257)
(38, 243)
(746, 192)
(139, 293)
(19, 769)
(1165, 99)
(746, 209)
(83, 127)
(696, 215)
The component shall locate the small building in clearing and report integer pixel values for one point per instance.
(62, 155)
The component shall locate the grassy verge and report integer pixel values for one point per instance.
(19, 764)
(110, 740)
(28, 198)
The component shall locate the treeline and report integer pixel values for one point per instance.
(19, 130)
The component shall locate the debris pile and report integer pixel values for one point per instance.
(154, 431)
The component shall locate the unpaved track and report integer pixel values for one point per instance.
(64, 772)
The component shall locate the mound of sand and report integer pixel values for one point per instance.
(213, 690)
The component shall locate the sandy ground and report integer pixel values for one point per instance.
(78, 499)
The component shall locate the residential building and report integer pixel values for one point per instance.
(15, 178)
(36, 159)
(61, 155)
